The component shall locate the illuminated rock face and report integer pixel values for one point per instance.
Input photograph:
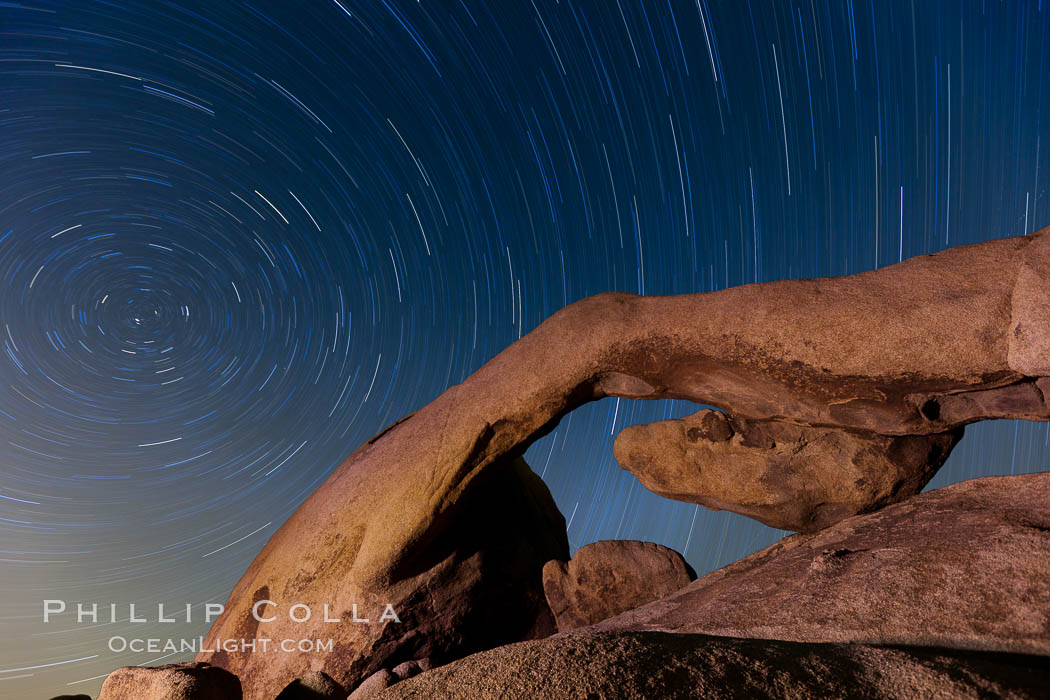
(478, 586)
(966, 566)
(606, 578)
(788, 476)
(944, 595)
(915, 349)
(172, 682)
(315, 685)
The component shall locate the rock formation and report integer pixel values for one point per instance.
(198, 681)
(944, 595)
(313, 686)
(915, 349)
(788, 476)
(966, 566)
(606, 578)
(688, 666)
(476, 584)
(374, 685)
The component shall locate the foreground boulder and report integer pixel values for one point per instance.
(196, 681)
(659, 665)
(918, 348)
(313, 686)
(606, 578)
(374, 685)
(479, 585)
(787, 476)
(965, 566)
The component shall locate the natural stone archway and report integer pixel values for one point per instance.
(918, 348)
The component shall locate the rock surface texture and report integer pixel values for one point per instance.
(198, 681)
(787, 476)
(606, 578)
(313, 686)
(374, 685)
(412, 517)
(580, 666)
(965, 566)
(382, 679)
(478, 584)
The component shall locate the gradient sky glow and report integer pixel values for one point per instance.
(239, 238)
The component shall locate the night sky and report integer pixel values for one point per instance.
(239, 238)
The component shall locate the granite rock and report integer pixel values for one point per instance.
(315, 685)
(606, 578)
(374, 685)
(966, 566)
(628, 664)
(788, 476)
(193, 681)
(477, 584)
(917, 348)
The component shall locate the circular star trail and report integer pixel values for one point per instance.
(237, 239)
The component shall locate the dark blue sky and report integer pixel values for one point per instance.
(239, 238)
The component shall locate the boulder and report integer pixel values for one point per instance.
(788, 476)
(626, 664)
(315, 685)
(194, 681)
(375, 684)
(917, 348)
(478, 584)
(606, 578)
(411, 668)
(965, 566)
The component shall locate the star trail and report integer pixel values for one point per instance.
(237, 239)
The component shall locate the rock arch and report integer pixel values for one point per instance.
(905, 355)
